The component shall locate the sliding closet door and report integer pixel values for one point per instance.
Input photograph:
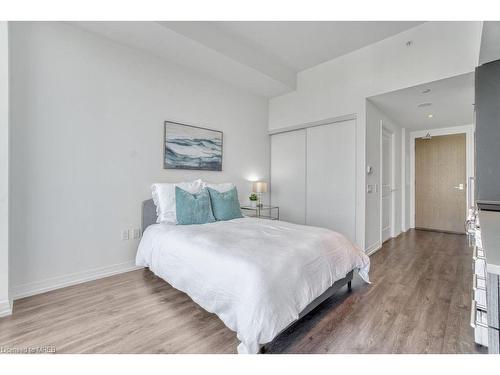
(288, 173)
(331, 178)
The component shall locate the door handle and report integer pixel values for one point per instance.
(459, 187)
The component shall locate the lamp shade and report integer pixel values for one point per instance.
(259, 187)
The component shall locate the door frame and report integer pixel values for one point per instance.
(392, 135)
(468, 130)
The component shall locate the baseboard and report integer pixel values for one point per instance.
(373, 248)
(5, 308)
(30, 289)
(396, 235)
(440, 231)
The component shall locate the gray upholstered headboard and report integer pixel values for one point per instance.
(148, 214)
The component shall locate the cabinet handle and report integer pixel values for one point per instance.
(473, 314)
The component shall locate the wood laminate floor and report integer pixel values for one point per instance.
(418, 302)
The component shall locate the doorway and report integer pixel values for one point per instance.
(387, 184)
(440, 183)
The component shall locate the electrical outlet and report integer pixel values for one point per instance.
(125, 235)
(137, 233)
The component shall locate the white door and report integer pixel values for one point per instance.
(288, 175)
(387, 185)
(331, 179)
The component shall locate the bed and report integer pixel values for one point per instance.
(258, 276)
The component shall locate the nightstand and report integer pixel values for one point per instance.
(263, 212)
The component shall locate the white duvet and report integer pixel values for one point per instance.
(257, 275)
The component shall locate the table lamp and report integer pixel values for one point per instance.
(259, 187)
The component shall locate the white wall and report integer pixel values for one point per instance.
(340, 86)
(490, 48)
(87, 125)
(374, 118)
(4, 170)
(407, 181)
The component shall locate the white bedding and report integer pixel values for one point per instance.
(257, 275)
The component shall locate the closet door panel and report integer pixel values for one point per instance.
(331, 177)
(288, 173)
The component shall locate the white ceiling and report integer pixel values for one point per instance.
(452, 103)
(304, 44)
(156, 39)
(262, 57)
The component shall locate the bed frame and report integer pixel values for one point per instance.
(149, 217)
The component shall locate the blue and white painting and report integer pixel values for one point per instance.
(191, 147)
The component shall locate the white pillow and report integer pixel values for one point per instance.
(221, 188)
(164, 198)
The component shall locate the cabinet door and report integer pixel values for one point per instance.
(331, 177)
(288, 173)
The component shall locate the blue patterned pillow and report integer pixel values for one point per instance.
(193, 208)
(225, 206)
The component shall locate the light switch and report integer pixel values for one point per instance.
(137, 233)
(125, 234)
(369, 189)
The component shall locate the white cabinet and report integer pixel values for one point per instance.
(313, 176)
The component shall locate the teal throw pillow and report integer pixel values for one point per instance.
(193, 208)
(225, 206)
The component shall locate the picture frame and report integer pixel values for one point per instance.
(192, 147)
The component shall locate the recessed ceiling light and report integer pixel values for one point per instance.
(422, 105)
(426, 91)
(430, 115)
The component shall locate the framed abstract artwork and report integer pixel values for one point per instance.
(191, 147)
